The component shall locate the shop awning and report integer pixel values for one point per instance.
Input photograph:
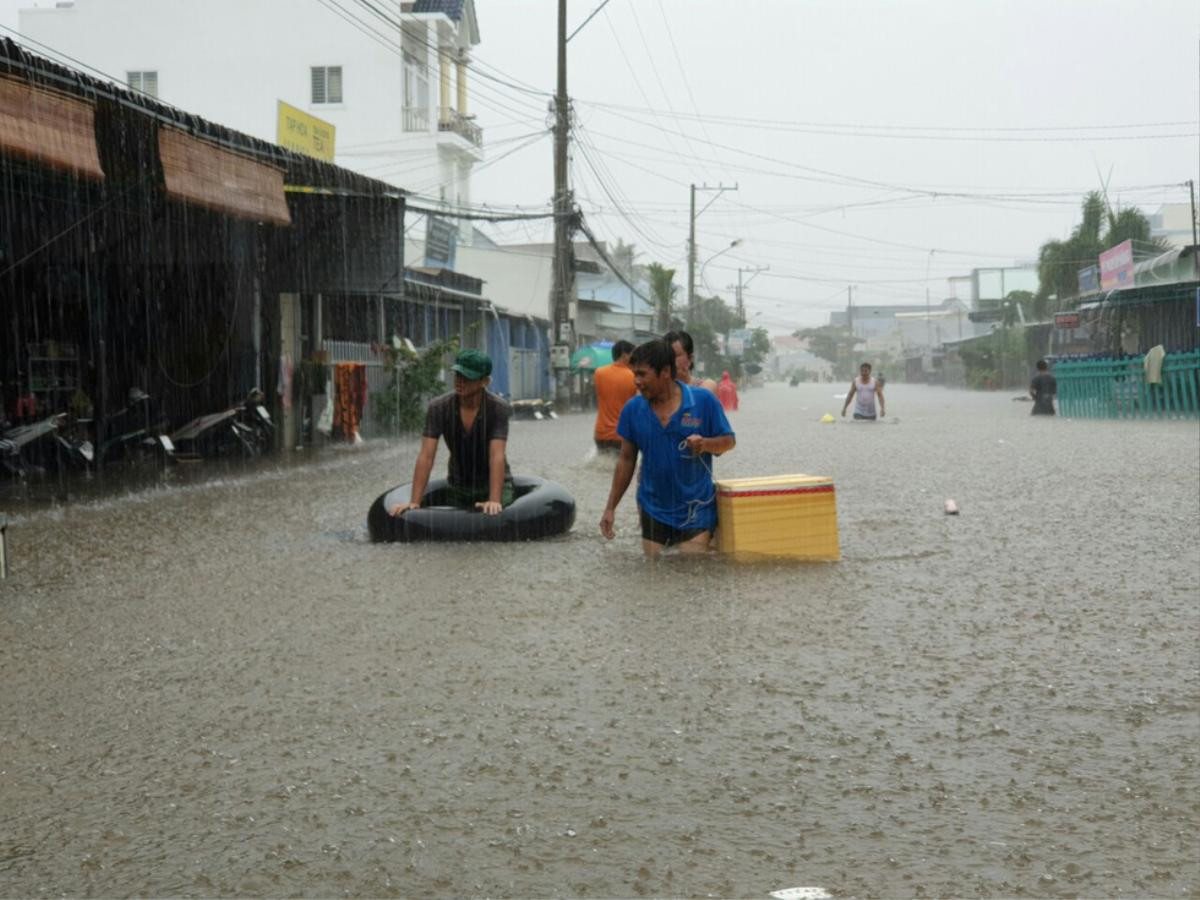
(200, 172)
(53, 129)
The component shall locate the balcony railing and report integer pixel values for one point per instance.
(416, 118)
(463, 126)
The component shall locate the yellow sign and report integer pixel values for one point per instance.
(306, 134)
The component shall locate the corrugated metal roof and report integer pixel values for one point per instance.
(452, 8)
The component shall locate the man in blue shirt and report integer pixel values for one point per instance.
(677, 429)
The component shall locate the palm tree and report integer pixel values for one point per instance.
(1059, 262)
(662, 289)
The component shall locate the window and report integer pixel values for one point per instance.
(416, 94)
(326, 84)
(143, 82)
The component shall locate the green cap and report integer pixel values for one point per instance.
(473, 365)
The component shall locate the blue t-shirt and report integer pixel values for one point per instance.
(674, 487)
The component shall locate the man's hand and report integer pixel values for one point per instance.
(695, 443)
(843, 412)
(401, 508)
(489, 507)
(606, 523)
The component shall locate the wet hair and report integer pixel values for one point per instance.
(620, 348)
(685, 341)
(1041, 365)
(868, 365)
(656, 354)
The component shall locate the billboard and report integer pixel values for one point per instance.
(1089, 280)
(1116, 267)
(441, 243)
(297, 130)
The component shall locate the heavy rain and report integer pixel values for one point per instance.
(884, 630)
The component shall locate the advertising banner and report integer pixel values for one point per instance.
(306, 134)
(1089, 280)
(441, 243)
(1116, 267)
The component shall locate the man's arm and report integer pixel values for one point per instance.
(622, 475)
(496, 448)
(421, 470)
(879, 397)
(849, 397)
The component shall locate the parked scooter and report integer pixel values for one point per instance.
(245, 430)
(135, 434)
(29, 450)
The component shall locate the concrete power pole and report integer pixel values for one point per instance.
(564, 256)
(691, 282)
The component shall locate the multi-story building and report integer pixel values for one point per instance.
(390, 77)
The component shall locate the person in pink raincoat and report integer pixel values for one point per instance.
(727, 392)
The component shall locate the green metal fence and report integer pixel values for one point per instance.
(1117, 389)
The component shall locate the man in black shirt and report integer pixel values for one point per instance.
(1042, 389)
(475, 426)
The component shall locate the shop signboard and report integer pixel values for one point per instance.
(1089, 280)
(297, 130)
(1116, 267)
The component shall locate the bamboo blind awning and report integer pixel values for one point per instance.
(198, 172)
(50, 128)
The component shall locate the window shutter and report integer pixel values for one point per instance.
(334, 86)
(134, 80)
(150, 84)
(318, 84)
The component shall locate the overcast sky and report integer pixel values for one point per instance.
(861, 135)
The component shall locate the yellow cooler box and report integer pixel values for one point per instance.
(784, 515)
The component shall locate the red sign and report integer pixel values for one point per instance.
(1116, 267)
(1066, 320)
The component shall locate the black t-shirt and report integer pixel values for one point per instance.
(1044, 387)
(468, 449)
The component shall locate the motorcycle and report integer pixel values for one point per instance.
(135, 435)
(29, 450)
(245, 430)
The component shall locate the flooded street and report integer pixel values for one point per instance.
(222, 688)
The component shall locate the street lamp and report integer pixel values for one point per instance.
(736, 242)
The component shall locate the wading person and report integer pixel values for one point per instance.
(727, 393)
(614, 386)
(867, 393)
(474, 424)
(685, 357)
(677, 429)
(1042, 389)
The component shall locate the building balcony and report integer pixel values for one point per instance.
(416, 118)
(453, 121)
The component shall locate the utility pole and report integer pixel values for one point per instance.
(564, 256)
(741, 306)
(1195, 244)
(718, 190)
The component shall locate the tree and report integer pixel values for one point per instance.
(1101, 228)
(834, 343)
(662, 291)
(624, 257)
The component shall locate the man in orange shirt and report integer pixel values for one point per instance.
(614, 386)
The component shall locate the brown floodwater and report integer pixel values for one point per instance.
(220, 687)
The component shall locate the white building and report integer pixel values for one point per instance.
(393, 82)
(1173, 223)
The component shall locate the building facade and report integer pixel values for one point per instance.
(391, 78)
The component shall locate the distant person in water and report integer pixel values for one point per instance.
(1042, 389)
(614, 386)
(867, 394)
(727, 393)
(685, 358)
(474, 424)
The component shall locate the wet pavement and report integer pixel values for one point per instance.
(220, 687)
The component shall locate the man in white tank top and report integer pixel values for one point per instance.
(865, 391)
